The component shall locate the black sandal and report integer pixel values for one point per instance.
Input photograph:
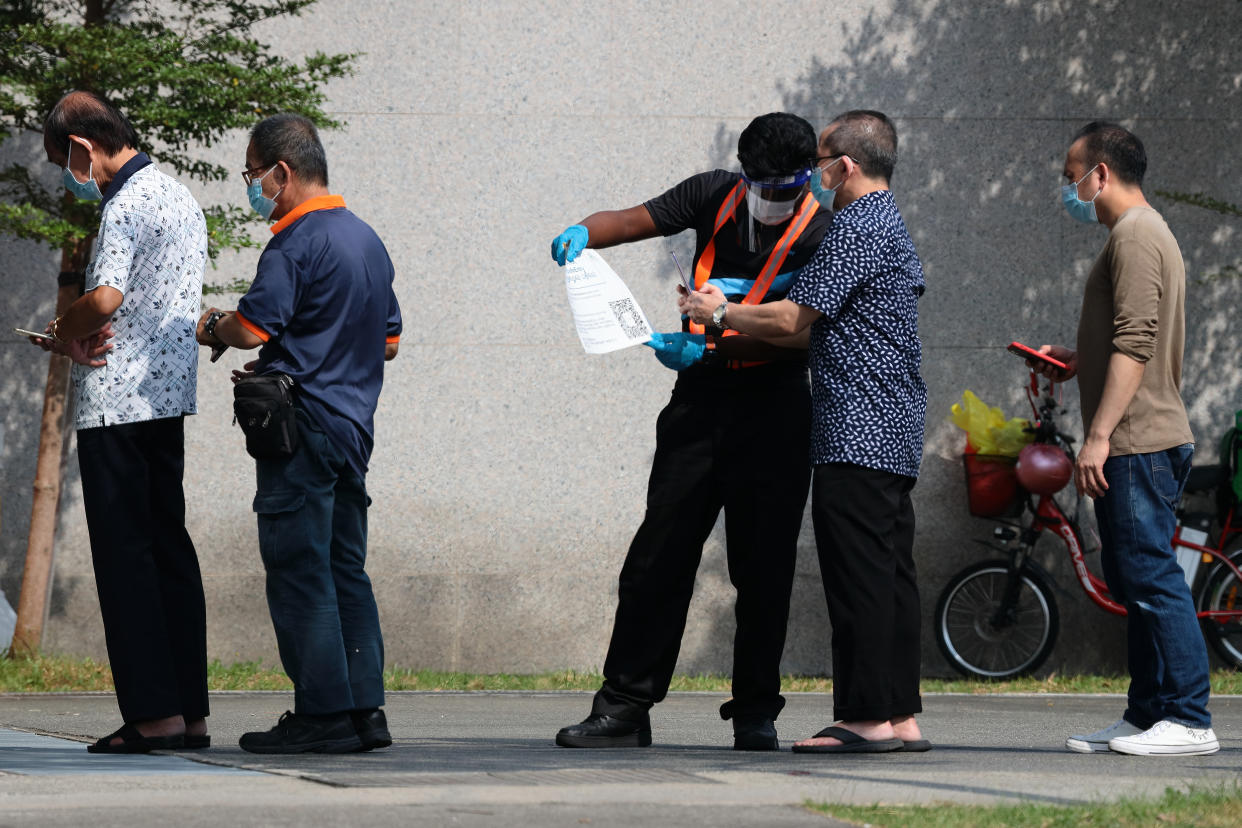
(196, 741)
(134, 742)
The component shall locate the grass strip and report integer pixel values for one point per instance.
(1199, 807)
(55, 673)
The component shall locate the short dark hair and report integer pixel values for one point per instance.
(90, 116)
(293, 139)
(868, 137)
(776, 144)
(1115, 146)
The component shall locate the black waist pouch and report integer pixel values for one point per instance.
(263, 407)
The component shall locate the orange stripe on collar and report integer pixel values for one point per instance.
(323, 202)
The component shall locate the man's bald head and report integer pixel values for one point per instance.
(88, 116)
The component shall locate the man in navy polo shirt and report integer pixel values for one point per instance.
(323, 309)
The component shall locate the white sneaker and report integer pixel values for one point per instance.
(1167, 738)
(1098, 742)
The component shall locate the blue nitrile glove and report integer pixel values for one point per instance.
(677, 350)
(567, 246)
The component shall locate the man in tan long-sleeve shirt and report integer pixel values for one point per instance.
(1138, 444)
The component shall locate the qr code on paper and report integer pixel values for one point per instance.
(628, 317)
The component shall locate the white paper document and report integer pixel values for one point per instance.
(605, 313)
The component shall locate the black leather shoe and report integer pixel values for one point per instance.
(372, 727)
(755, 734)
(599, 731)
(295, 733)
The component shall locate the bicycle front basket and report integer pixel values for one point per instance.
(992, 488)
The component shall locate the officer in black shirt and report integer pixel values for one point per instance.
(735, 435)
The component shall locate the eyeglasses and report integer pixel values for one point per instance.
(249, 175)
(822, 158)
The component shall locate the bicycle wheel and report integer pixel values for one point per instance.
(977, 647)
(1222, 591)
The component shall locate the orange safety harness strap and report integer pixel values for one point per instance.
(703, 270)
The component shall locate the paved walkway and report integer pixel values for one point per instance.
(487, 759)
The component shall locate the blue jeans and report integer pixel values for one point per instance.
(312, 513)
(1167, 656)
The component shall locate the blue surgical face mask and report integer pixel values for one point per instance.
(88, 190)
(260, 203)
(822, 194)
(1083, 211)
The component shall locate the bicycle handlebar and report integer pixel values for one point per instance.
(1045, 429)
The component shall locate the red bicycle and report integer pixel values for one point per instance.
(998, 618)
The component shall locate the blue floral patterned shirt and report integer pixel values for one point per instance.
(868, 399)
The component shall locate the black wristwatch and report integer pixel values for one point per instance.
(209, 327)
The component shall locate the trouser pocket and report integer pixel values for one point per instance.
(280, 526)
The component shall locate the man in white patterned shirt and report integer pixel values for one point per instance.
(131, 336)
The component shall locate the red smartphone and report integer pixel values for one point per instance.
(1030, 353)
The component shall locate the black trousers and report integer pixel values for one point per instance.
(744, 451)
(864, 531)
(146, 569)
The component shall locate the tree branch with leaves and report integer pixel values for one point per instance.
(186, 73)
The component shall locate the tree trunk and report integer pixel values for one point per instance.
(32, 607)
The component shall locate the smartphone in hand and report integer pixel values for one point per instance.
(1030, 353)
(24, 332)
(686, 284)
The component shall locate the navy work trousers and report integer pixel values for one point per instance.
(312, 513)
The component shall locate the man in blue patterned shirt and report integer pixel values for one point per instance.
(859, 295)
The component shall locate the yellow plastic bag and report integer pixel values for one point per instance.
(987, 430)
(1012, 436)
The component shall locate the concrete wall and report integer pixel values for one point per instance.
(510, 468)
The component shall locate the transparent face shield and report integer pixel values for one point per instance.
(771, 201)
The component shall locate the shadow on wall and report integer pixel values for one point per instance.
(986, 98)
(30, 284)
(22, 378)
(1173, 78)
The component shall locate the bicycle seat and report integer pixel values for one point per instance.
(1206, 478)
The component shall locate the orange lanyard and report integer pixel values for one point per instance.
(703, 270)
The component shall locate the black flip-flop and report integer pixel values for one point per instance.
(196, 741)
(916, 746)
(850, 741)
(134, 742)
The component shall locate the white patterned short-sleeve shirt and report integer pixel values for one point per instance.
(152, 247)
(868, 399)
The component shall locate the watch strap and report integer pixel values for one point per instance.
(209, 327)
